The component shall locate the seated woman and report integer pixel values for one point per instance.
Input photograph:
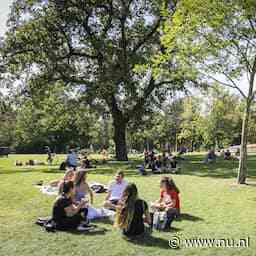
(132, 213)
(169, 200)
(66, 214)
(82, 189)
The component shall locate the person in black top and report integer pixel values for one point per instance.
(49, 155)
(164, 160)
(132, 213)
(65, 213)
(158, 162)
(173, 162)
(227, 155)
(146, 157)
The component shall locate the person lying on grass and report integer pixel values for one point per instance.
(65, 213)
(132, 213)
(68, 176)
(169, 200)
(115, 190)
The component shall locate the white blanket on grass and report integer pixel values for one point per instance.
(93, 213)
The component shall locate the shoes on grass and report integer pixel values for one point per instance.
(85, 227)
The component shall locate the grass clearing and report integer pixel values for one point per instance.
(213, 207)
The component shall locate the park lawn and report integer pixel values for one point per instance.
(213, 207)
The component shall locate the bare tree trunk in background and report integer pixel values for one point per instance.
(242, 170)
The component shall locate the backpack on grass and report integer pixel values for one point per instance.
(63, 166)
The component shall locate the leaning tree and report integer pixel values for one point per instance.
(102, 50)
(217, 42)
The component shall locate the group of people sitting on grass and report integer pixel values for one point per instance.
(159, 163)
(229, 156)
(73, 160)
(30, 162)
(211, 156)
(132, 214)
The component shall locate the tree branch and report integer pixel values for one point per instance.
(143, 40)
(225, 84)
(141, 101)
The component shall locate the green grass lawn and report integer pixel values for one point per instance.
(213, 207)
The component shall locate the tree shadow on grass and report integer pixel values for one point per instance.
(53, 171)
(192, 166)
(111, 170)
(171, 230)
(32, 169)
(221, 169)
(102, 170)
(249, 183)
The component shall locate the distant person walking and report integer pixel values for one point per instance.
(72, 159)
(49, 155)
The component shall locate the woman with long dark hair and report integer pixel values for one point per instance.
(66, 214)
(82, 188)
(132, 212)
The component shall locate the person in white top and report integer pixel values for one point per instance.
(115, 190)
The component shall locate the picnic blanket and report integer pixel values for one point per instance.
(93, 213)
(49, 190)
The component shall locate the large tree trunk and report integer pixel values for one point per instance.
(120, 138)
(242, 170)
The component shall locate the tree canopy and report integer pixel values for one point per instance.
(102, 50)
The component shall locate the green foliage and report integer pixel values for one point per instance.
(224, 120)
(215, 40)
(57, 121)
(191, 120)
(97, 47)
(7, 119)
(104, 49)
(213, 119)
